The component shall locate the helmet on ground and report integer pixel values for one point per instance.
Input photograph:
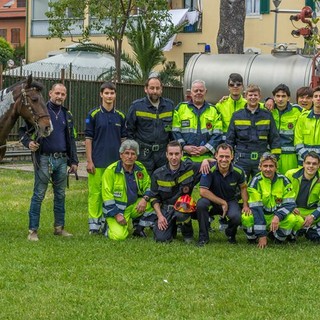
(185, 204)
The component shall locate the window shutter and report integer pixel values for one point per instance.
(311, 4)
(264, 6)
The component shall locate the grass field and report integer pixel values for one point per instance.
(94, 278)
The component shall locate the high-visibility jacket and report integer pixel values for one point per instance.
(295, 176)
(148, 124)
(114, 187)
(270, 197)
(253, 132)
(286, 122)
(202, 127)
(307, 134)
(226, 109)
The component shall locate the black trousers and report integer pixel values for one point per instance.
(203, 213)
(173, 218)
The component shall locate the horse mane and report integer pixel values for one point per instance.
(34, 84)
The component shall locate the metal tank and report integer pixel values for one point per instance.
(264, 70)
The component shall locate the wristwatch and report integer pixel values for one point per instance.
(145, 197)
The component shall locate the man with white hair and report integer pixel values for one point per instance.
(125, 192)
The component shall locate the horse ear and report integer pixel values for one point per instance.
(29, 81)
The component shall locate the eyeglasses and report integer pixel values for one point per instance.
(235, 84)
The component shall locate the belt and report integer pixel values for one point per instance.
(167, 207)
(55, 155)
(250, 155)
(152, 147)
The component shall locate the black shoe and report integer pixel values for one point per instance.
(271, 236)
(202, 243)
(139, 233)
(232, 239)
(252, 241)
(188, 240)
(291, 238)
(278, 242)
(315, 240)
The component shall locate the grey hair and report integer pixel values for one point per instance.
(129, 145)
(199, 81)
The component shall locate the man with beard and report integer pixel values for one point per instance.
(149, 122)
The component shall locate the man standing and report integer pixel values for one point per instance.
(233, 103)
(219, 189)
(51, 157)
(271, 200)
(105, 129)
(125, 191)
(149, 122)
(251, 132)
(307, 133)
(197, 125)
(285, 116)
(306, 185)
(168, 183)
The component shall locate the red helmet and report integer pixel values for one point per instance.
(185, 204)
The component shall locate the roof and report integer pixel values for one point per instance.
(81, 63)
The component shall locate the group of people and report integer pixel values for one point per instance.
(255, 164)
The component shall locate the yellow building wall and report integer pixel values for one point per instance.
(259, 30)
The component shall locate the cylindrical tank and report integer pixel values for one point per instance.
(264, 70)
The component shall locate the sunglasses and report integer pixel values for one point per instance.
(235, 84)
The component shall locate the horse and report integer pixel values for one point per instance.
(23, 99)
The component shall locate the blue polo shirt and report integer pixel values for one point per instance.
(105, 129)
(224, 187)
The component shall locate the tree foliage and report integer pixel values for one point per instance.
(108, 17)
(230, 37)
(6, 51)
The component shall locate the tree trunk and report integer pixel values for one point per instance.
(230, 37)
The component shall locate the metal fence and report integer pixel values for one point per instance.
(83, 95)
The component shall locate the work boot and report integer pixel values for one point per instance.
(33, 235)
(59, 231)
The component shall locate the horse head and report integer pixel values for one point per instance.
(30, 105)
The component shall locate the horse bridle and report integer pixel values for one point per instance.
(25, 102)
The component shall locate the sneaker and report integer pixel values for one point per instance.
(232, 240)
(139, 233)
(59, 231)
(202, 243)
(252, 241)
(33, 235)
(94, 232)
(188, 240)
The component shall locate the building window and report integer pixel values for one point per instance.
(3, 33)
(252, 7)
(15, 36)
(187, 56)
(21, 3)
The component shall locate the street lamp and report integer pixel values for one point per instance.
(276, 4)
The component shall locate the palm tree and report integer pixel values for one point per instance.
(147, 54)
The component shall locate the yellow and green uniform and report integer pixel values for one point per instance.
(197, 127)
(312, 207)
(226, 109)
(307, 134)
(286, 122)
(115, 197)
(266, 199)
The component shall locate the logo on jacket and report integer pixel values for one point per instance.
(278, 201)
(185, 189)
(290, 125)
(209, 125)
(185, 123)
(140, 175)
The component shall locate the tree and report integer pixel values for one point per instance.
(230, 37)
(6, 51)
(109, 17)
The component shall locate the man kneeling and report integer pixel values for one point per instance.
(271, 200)
(125, 191)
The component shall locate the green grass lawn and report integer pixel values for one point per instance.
(90, 277)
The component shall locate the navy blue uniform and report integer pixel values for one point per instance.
(151, 128)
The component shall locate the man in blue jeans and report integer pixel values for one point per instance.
(51, 157)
